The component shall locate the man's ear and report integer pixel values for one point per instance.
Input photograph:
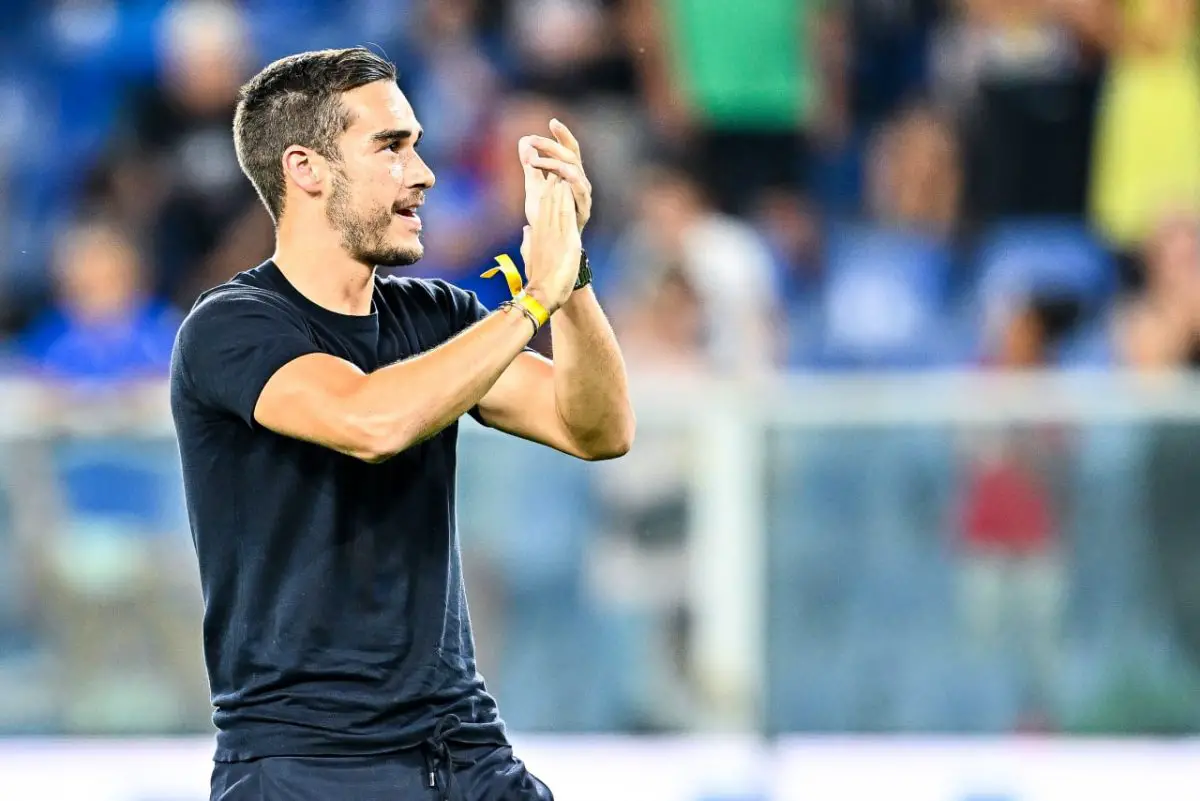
(305, 168)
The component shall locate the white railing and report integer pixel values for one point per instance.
(731, 419)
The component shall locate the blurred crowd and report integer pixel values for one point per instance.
(821, 184)
(805, 185)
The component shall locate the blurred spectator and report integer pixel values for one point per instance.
(104, 326)
(1147, 158)
(111, 557)
(172, 157)
(876, 54)
(1024, 87)
(744, 87)
(110, 504)
(887, 56)
(791, 226)
(1160, 336)
(114, 507)
(1048, 283)
(1013, 577)
(640, 562)
(885, 299)
(722, 257)
(452, 85)
(915, 174)
(663, 330)
(1012, 574)
(1160, 329)
(571, 50)
(1032, 331)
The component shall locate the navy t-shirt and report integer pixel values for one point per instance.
(335, 616)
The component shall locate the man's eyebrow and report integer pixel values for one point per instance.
(395, 135)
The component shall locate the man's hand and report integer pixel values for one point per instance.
(542, 157)
(552, 261)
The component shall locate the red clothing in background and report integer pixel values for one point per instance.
(1007, 509)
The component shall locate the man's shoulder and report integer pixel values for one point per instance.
(248, 290)
(246, 308)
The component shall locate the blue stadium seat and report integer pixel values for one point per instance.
(1055, 259)
(1050, 256)
(884, 301)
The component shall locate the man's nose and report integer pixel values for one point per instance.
(420, 176)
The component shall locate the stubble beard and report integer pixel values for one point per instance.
(365, 234)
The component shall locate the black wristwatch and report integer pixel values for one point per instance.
(585, 271)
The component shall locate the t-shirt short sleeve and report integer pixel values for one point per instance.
(234, 341)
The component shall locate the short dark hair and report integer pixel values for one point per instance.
(297, 101)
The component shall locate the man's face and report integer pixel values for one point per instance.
(380, 179)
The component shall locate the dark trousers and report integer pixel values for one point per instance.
(453, 773)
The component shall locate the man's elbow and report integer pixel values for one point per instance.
(371, 455)
(617, 442)
(370, 448)
(373, 440)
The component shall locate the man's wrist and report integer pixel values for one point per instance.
(537, 294)
(511, 306)
(540, 314)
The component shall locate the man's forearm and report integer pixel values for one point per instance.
(428, 392)
(328, 401)
(591, 389)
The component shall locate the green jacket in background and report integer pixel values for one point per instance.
(744, 64)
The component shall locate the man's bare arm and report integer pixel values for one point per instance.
(329, 401)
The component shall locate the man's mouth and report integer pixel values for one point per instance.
(409, 213)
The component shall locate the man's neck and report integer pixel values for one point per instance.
(313, 260)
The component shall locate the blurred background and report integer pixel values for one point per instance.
(910, 293)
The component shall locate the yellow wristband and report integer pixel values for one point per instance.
(504, 264)
(527, 301)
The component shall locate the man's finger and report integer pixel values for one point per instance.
(563, 134)
(546, 209)
(531, 173)
(554, 150)
(553, 198)
(567, 209)
(568, 172)
(562, 202)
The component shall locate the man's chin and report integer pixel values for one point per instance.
(398, 257)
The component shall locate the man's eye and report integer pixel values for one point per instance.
(394, 147)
